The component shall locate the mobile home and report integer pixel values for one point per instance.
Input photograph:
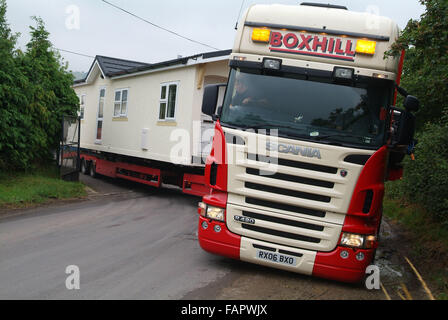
(143, 121)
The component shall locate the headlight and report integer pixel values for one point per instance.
(358, 240)
(215, 213)
(210, 212)
(273, 64)
(343, 73)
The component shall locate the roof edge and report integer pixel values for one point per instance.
(149, 66)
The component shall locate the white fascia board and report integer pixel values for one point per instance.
(81, 84)
(87, 81)
(190, 62)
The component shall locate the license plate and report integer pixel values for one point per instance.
(276, 257)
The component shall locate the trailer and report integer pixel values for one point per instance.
(143, 122)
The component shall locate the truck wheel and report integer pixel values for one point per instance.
(92, 170)
(84, 168)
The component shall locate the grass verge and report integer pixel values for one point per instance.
(24, 189)
(428, 238)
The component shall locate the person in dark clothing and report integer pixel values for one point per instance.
(243, 96)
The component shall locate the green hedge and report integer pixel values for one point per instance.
(425, 75)
(35, 91)
(425, 180)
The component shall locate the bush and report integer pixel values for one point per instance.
(425, 75)
(35, 91)
(425, 180)
(425, 70)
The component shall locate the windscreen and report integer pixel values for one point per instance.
(301, 107)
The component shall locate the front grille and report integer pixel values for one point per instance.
(282, 228)
(284, 221)
(287, 192)
(280, 234)
(293, 164)
(290, 178)
(295, 200)
(285, 207)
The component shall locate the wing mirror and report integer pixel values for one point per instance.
(411, 104)
(210, 99)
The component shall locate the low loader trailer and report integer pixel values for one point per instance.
(151, 173)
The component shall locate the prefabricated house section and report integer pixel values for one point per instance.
(143, 122)
(147, 110)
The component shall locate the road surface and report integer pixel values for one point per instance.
(134, 242)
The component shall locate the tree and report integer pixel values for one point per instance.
(425, 180)
(51, 94)
(425, 75)
(14, 120)
(425, 71)
(35, 91)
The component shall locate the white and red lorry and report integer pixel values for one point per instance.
(305, 140)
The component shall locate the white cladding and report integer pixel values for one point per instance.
(137, 131)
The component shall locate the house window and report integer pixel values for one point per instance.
(121, 103)
(167, 105)
(82, 102)
(100, 117)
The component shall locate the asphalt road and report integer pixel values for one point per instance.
(134, 242)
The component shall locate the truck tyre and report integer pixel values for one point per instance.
(92, 170)
(84, 167)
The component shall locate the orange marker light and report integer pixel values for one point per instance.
(261, 35)
(366, 46)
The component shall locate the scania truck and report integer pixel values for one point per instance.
(304, 140)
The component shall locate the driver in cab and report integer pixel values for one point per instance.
(242, 95)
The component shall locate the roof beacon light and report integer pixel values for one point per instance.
(366, 46)
(261, 35)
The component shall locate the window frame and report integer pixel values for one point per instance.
(82, 105)
(98, 118)
(166, 100)
(121, 115)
